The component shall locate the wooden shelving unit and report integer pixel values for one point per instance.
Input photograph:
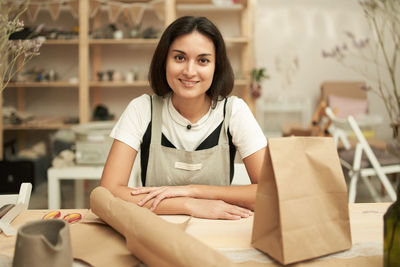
(143, 83)
(41, 123)
(89, 58)
(172, 9)
(141, 41)
(42, 84)
(119, 84)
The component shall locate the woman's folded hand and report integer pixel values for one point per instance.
(215, 209)
(160, 193)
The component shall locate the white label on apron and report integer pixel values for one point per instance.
(188, 166)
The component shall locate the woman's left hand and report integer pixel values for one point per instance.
(160, 193)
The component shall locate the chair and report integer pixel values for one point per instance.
(318, 126)
(336, 129)
(375, 162)
(345, 97)
(23, 196)
(348, 98)
(8, 213)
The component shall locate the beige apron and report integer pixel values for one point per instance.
(170, 166)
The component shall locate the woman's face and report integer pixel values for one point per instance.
(190, 65)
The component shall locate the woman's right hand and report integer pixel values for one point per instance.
(215, 209)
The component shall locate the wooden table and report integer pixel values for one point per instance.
(232, 238)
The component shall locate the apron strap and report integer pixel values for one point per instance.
(223, 135)
(156, 117)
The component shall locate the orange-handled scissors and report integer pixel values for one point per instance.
(70, 217)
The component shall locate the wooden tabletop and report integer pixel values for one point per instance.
(232, 238)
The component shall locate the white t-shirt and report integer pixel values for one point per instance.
(247, 135)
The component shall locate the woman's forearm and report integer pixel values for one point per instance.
(169, 206)
(201, 208)
(243, 196)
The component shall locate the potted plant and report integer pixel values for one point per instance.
(257, 76)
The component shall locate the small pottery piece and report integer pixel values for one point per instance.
(129, 77)
(118, 35)
(110, 75)
(43, 243)
(117, 76)
(100, 76)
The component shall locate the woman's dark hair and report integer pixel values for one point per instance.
(223, 79)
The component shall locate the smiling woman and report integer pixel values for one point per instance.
(188, 132)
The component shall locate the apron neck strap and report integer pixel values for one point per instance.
(156, 117)
(223, 135)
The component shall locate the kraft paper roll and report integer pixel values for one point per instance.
(153, 240)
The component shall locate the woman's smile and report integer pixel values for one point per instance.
(188, 83)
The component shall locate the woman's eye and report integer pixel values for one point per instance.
(179, 58)
(204, 60)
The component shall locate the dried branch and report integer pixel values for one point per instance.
(13, 54)
(382, 53)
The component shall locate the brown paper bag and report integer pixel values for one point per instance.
(301, 209)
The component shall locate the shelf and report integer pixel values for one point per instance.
(208, 7)
(8, 127)
(141, 41)
(206, 2)
(236, 40)
(40, 123)
(193, 2)
(239, 82)
(138, 41)
(242, 82)
(42, 84)
(119, 84)
(61, 42)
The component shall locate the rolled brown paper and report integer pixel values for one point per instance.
(153, 240)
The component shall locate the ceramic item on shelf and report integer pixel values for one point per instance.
(135, 73)
(149, 33)
(73, 80)
(52, 75)
(110, 75)
(100, 75)
(223, 2)
(118, 34)
(117, 77)
(129, 77)
(43, 243)
(134, 33)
